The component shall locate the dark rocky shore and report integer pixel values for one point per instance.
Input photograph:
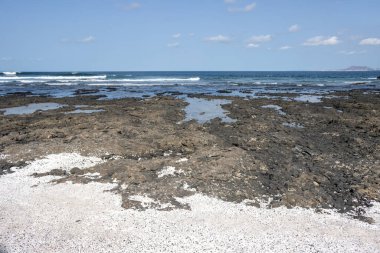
(320, 155)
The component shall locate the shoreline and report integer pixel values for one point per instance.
(322, 155)
(88, 217)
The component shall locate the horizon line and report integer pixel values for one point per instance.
(330, 70)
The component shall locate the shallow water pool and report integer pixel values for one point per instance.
(31, 108)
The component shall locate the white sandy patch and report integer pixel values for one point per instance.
(63, 161)
(182, 160)
(187, 187)
(169, 171)
(168, 153)
(148, 202)
(3, 156)
(92, 175)
(332, 108)
(144, 200)
(88, 218)
(114, 157)
(293, 125)
(277, 108)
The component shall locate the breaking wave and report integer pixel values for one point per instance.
(9, 73)
(17, 78)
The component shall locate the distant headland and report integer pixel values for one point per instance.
(358, 68)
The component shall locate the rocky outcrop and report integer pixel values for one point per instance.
(332, 162)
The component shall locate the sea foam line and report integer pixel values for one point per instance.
(15, 78)
(9, 73)
(94, 79)
(191, 79)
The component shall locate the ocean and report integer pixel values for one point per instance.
(112, 85)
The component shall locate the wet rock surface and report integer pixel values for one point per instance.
(86, 91)
(8, 167)
(332, 162)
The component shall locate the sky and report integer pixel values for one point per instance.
(188, 35)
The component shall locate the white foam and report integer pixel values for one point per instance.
(127, 84)
(10, 73)
(265, 83)
(191, 79)
(100, 80)
(26, 81)
(357, 82)
(55, 78)
(58, 84)
(142, 82)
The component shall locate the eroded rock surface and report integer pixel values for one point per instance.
(333, 161)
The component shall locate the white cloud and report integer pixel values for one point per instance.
(174, 44)
(6, 59)
(191, 34)
(176, 36)
(252, 45)
(249, 7)
(285, 47)
(246, 8)
(218, 38)
(260, 38)
(351, 52)
(370, 42)
(294, 28)
(230, 1)
(131, 6)
(36, 59)
(87, 39)
(322, 41)
(255, 41)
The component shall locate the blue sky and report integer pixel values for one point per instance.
(68, 35)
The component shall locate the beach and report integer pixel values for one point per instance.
(189, 126)
(191, 172)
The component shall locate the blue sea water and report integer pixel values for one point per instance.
(137, 84)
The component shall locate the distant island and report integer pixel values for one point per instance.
(358, 68)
